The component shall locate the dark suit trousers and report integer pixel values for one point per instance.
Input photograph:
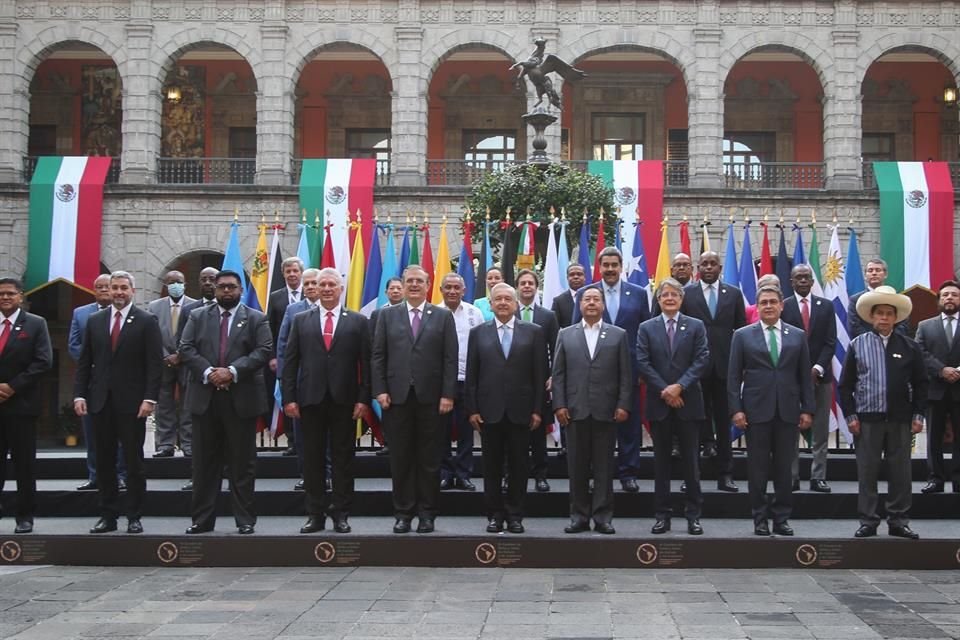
(878, 442)
(90, 440)
(939, 411)
(630, 436)
(771, 443)
(220, 437)
(538, 449)
(460, 464)
(590, 446)
(18, 436)
(688, 433)
(111, 428)
(716, 428)
(415, 431)
(505, 442)
(327, 428)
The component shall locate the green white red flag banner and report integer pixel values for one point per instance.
(66, 216)
(916, 222)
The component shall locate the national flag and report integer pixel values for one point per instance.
(766, 260)
(601, 245)
(486, 262)
(275, 280)
(404, 251)
(358, 261)
(783, 265)
(527, 247)
(372, 277)
(583, 251)
(563, 254)
(835, 290)
(617, 240)
(335, 188)
(390, 269)
(276, 419)
(465, 263)
(731, 270)
(508, 251)
(916, 222)
(748, 273)
(704, 238)
(815, 261)
(663, 261)
(427, 261)
(415, 245)
(552, 283)
(66, 213)
(799, 255)
(256, 294)
(232, 260)
(639, 275)
(303, 245)
(638, 192)
(328, 260)
(442, 266)
(855, 282)
(685, 237)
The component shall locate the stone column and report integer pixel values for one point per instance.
(142, 101)
(274, 108)
(705, 100)
(408, 129)
(14, 102)
(842, 108)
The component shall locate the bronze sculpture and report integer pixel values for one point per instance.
(536, 68)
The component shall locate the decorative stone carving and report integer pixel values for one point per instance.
(58, 11)
(294, 14)
(90, 13)
(26, 11)
(225, 14)
(430, 15)
(792, 17)
(160, 13)
(647, 16)
(897, 18)
(462, 16)
(193, 13)
(358, 15)
(495, 16)
(327, 15)
(255, 14)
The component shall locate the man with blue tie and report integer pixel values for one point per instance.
(626, 306)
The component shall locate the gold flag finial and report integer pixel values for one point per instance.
(303, 216)
(236, 214)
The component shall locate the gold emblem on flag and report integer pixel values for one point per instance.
(916, 198)
(336, 195)
(833, 269)
(626, 195)
(260, 260)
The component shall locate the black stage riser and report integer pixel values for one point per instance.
(436, 551)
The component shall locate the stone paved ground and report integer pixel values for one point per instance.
(56, 603)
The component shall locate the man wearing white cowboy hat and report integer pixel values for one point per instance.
(883, 393)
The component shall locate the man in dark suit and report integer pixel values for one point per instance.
(504, 390)
(394, 291)
(593, 389)
(325, 380)
(25, 355)
(626, 306)
(563, 303)
(719, 306)
(118, 381)
(414, 378)
(672, 354)
(277, 304)
(770, 394)
(225, 346)
(817, 318)
(937, 337)
(874, 274)
(529, 311)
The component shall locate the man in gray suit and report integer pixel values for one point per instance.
(170, 422)
(770, 394)
(592, 385)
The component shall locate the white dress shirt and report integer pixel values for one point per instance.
(323, 316)
(123, 317)
(592, 334)
(465, 317)
(800, 300)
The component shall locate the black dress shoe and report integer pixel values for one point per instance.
(314, 524)
(761, 528)
(694, 528)
(289, 452)
(709, 450)
(340, 525)
(956, 486)
(187, 486)
(299, 486)
(605, 528)
(104, 525)
(494, 526)
(660, 526)
(401, 526)
(820, 486)
(932, 487)
(515, 526)
(425, 525)
(727, 484)
(445, 484)
(134, 526)
(164, 453)
(89, 485)
(576, 527)
(675, 452)
(122, 485)
(542, 485)
(245, 529)
(465, 484)
(903, 531)
(865, 531)
(629, 485)
(328, 485)
(683, 487)
(198, 528)
(24, 526)
(782, 529)
(385, 451)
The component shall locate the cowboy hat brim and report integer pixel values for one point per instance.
(884, 295)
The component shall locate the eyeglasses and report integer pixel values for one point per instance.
(9, 294)
(223, 286)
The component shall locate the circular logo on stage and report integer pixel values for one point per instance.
(10, 551)
(325, 552)
(66, 193)
(647, 553)
(167, 552)
(957, 556)
(485, 553)
(626, 195)
(336, 195)
(916, 198)
(806, 554)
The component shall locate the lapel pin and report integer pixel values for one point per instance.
(786, 332)
(429, 311)
(20, 328)
(239, 324)
(626, 293)
(897, 355)
(683, 327)
(129, 320)
(723, 290)
(818, 303)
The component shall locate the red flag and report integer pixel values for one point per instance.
(600, 245)
(766, 261)
(685, 237)
(328, 260)
(426, 260)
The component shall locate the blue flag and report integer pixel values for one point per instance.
(404, 251)
(799, 257)
(638, 267)
(231, 257)
(371, 278)
(783, 266)
(748, 272)
(731, 271)
(617, 241)
(855, 282)
(465, 269)
(583, 253)
(563, 254)
(389, 268)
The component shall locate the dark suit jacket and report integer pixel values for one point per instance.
(856, 326)
(129, 375)
(563, 308)
(822, 337)
(731, 315)
(760, 390)
(634, 309)
(659, 367)
(161, 308)
(906, 380)
(23, 361)
(311, 374)
(249, 347)
(937, 354)
(185, 315)
(428, 363)
(592, 387)
(546, 320)
(283, 337)
(510, 388)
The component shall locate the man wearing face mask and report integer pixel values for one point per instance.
(172, 425)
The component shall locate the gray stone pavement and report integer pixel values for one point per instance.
(57, 603)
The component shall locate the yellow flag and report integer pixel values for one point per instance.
(355, 275)
(259, 273)
(441, 266)
(663, 259)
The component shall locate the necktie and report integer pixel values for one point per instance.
(224, 333)
(5, 334)
(949, 330)
(774, 351)
(805, 314)
(506, 339)
(712, 300)
(613, 303)
(293, 296)
(328, 330)
(115, 330)
(671, 332)
(527, 314)
(174, 316)
(415, 323)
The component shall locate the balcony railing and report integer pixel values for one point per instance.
(748, 176)
(466, 172)
(870, 178)
(675, 173)
(206, 170)
(30, 165)
(382, 178)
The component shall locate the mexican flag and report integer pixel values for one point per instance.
(335, 190)
(916, 222)
(66, 211)
(637, 188)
